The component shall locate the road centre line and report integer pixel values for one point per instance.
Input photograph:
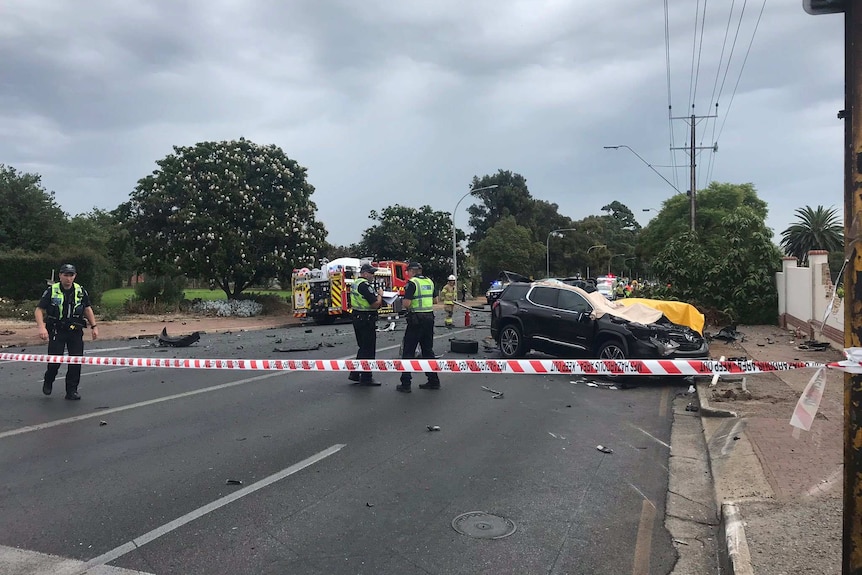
(100, 413)
(142, 540)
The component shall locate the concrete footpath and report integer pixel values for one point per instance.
(779, 492)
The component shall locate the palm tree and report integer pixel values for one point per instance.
(818, 229)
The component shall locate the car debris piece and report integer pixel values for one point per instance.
(433, 428)
(604, 449)
(729, 334)
(103, 423)
(390, 327)
(292, 349)
(166, 340)
(691, 407)
(233, 482)
(497, 394)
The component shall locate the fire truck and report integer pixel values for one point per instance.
(323, 294)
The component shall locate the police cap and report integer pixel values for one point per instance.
(67, 269)
(414, 266)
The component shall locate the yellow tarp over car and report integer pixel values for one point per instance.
(676, 311)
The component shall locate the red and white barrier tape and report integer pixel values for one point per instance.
(509, 366)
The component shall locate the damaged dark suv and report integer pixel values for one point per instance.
(566, 321)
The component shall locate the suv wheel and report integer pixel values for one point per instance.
(612, 350)
(512, 342)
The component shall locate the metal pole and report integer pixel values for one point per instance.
(852, 535)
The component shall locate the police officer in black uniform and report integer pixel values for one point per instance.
(418, 300)
(364, 303)
(62, 314)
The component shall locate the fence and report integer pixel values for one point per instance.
(805, 300)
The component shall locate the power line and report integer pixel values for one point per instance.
(742, 68)
(669, 101)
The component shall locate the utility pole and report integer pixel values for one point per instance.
(692, 150)
(852, 535)
(851, 540)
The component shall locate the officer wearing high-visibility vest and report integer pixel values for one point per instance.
(62, 314)
(447, 297)
(364, 303)
(418, 301)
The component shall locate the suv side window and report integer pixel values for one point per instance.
(546, 296)
(571, 301)
(514, 292)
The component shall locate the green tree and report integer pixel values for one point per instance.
(713, 204)
(508, 246)
(234, 212)
(511, 198)
(407, 234)
(30, 219)
(815, 229)
(728, 275)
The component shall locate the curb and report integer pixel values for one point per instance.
(735, 557)
(705, 409)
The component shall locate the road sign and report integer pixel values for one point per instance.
(823, 6)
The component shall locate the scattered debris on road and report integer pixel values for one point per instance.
(166, 340)
(604, 449)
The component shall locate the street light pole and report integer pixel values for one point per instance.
(454, 235)
(588, 252)
(548, 248)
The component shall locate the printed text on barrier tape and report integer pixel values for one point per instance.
(510, 366)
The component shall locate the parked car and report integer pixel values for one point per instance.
(566, 321)
(498, 285)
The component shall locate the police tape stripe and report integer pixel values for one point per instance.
(677, 367)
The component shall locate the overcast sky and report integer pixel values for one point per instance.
(404, 101)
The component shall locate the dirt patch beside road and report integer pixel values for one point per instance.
(24, 333)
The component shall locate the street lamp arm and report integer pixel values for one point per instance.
(548, 248)
(454, 233)
(650, 166)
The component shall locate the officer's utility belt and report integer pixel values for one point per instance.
(65, 325)
(365, 314)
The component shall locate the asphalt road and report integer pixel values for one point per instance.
(144, 472)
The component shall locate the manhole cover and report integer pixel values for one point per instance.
(483, 525)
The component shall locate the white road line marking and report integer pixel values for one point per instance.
(15, 561)
(653, 437)
(200, 512)
(103, 412)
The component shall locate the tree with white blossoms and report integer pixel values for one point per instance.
(236, 213)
